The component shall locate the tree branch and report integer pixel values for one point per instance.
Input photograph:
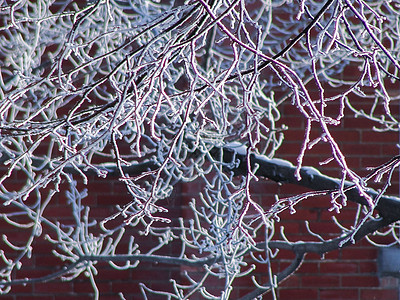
(278, 170)
(283, 171)
(302, 248)
(296, 263)
(114, 258)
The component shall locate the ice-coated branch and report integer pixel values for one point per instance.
(278, 170)
(83, 260)
(281, 276)
(153, 94)
(301, 249)
(283, 171)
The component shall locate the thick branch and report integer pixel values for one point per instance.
(283, 171)
(278, 170)
(235, 156)
(296, 263)
(113, 258)
(302, 248)
(329, 245)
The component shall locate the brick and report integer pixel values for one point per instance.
(360, 281)
(380, 137)
(320, 281)
(285, 257)
(100, 186)
(131, 287)
(242, 291)
(365, 151)
(347, 136)
(338, 267)
(263, 187)
(74, 297)
(368, 267)
(35, 297)
(116, 296)
(247, 281)
(290, 110)
(309, 267)
(358, 123)
(346, 214)
(289, 150)
(389, 150)
(108, 273)
(153, 273)
(83, 287)
(378, 294)
(294, 135)
(319, 152)
(48, 261)
(101, 212)
(298, 294)
(33, 272)
(325, 228)
(192, 189)
(22, 289)
(53, 287)
(301, 214)
(339, 294)
(58, 211)
(358, 253)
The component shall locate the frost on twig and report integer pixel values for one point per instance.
(155, 94)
